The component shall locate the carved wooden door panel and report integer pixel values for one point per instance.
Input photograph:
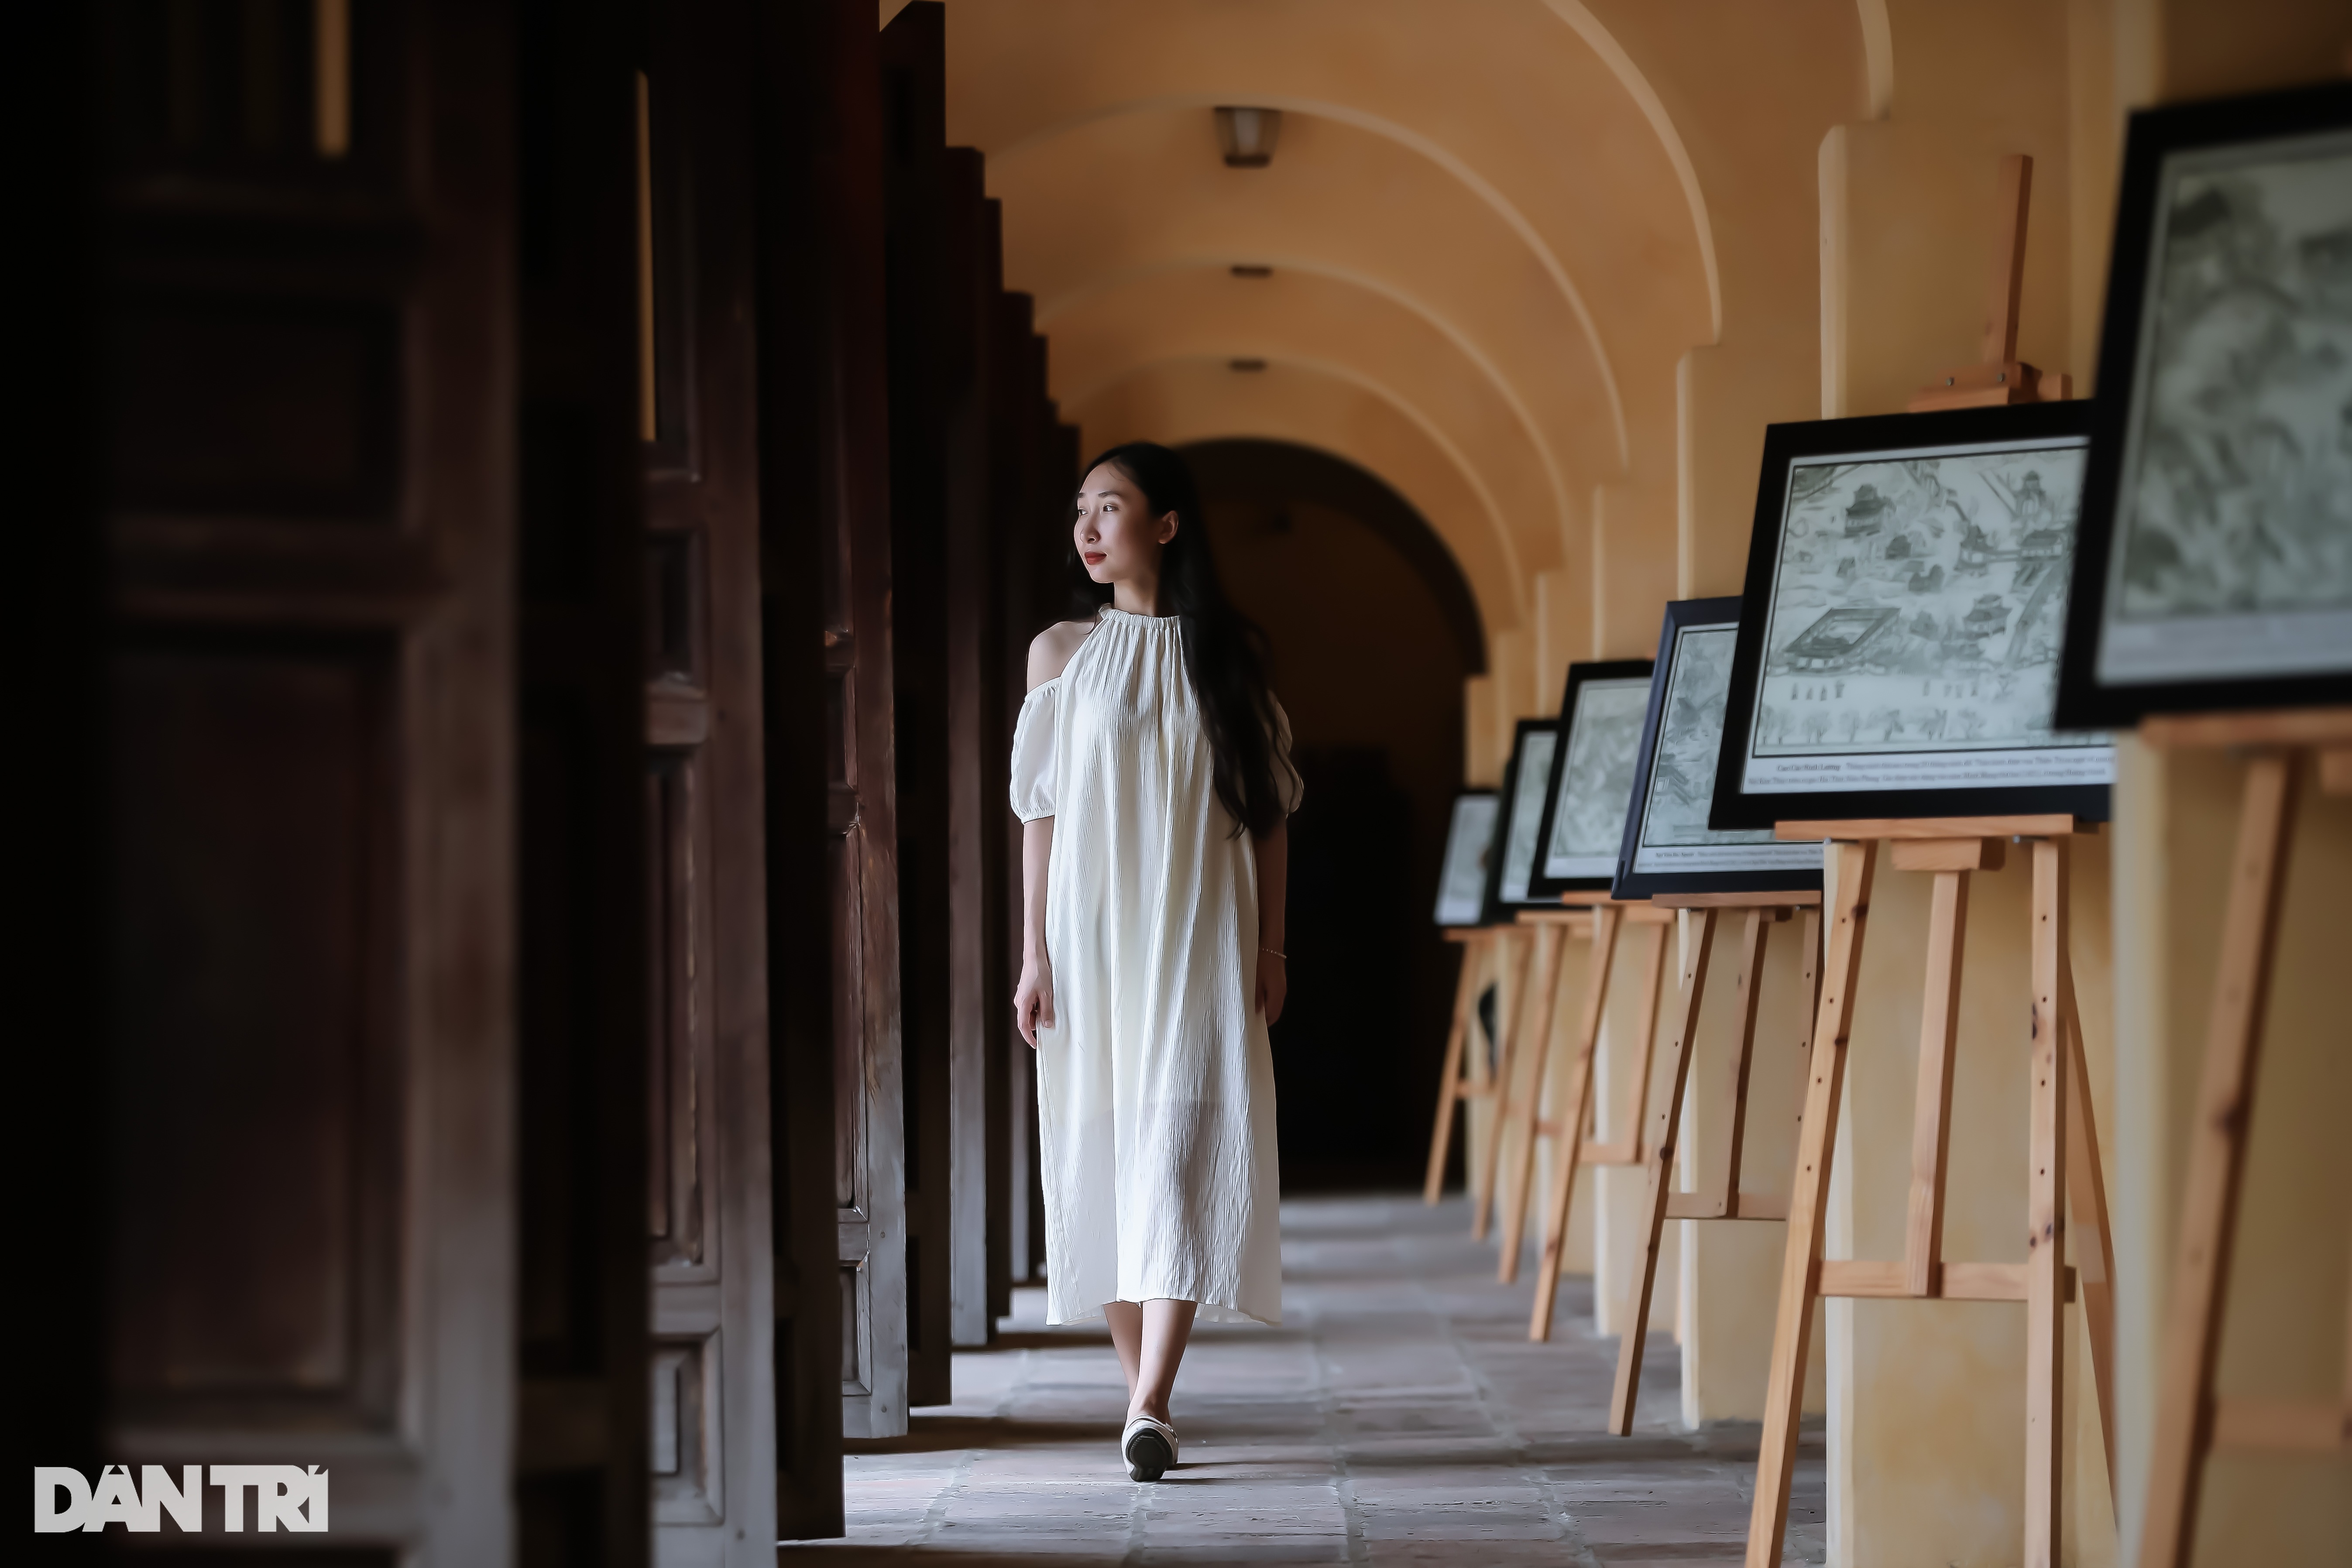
(981, 959)
(708, 1214)
(845, 334)
(580, 1448)
(1034, 475)
(925, 361)
(307, 463)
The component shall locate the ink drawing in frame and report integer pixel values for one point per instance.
(2216, 569)
(1897, 651)
(1514, 855)
(1469, 841)
(1592, 779)
(1669, 846)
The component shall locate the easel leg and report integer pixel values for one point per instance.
(1931, 1124)
(1768, 1518)
(1550, 941)
(1576, 1109)
(2093, 1243)
(1661, 1162)
(2217, 1154)
(1511, 981)
(1441, 1141)
(1645, 1040)
(2045, 1240)
(1749, 981)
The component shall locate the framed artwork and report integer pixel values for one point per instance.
(2216, 567)
(1898, 652)
(1668, 847)
(1514, 860)
(1469, 838)
(1592, 777)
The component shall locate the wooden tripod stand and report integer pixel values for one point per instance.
(2063, 1160)
(1538, 984)
(2191, 1420)
(1719, 1196)
(1577, 1106)
(1457, 1086)
(1523, 1122)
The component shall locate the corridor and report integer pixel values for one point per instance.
(1399, 1415)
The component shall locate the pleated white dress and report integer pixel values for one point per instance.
(1155, 1087)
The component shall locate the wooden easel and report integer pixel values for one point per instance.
(2000, 377)
(1568, 1130)
(2062, 1159)
(1550, 929)
(1952, 848)
(1719, 1196)
(1454, 1085)
(2191, 1420)
(1597, 918)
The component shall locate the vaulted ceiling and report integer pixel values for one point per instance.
(1494, 230)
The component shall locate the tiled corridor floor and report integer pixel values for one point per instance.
(1398, 1416)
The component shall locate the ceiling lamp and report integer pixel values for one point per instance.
(1248, 135)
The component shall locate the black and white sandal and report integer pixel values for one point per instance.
(1149, 1448)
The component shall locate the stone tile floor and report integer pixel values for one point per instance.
(1399, 1415)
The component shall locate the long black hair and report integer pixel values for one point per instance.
(1225, 650)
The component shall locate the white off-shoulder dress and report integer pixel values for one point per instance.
(1155, 1087)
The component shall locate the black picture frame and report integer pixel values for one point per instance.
(1695, 633)
(1457, 824)
(2219, 466)
(1980, 450)
(1620, 675)
(1499, 909)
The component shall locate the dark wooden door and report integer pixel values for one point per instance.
(710, 1213)
(824, 577)
(870, 1127)
(980, 962)
(581, 1445)
(1033, 476)
(925, 361)
(308, 468)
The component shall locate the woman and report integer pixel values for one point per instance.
(1152, 771)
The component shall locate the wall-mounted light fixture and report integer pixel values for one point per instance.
(1245, 364)
(1243, 269)
(1248, 136)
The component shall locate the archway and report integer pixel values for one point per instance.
(1373, 627)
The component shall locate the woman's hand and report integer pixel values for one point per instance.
(1032, 999)
(1273, 985)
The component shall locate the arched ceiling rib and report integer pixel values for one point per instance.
(1287, 268)
(1492, 234)
(1403, 136)
(1425, 240)
(1522, 113)
(1335, 409)
(1303, 321)
(1645, 97)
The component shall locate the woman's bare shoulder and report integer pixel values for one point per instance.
(1051, 649)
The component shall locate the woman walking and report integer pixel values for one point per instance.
(1152, 771)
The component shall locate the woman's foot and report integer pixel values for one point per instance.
(1148, 1446)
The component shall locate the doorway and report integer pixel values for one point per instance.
(1374, 630)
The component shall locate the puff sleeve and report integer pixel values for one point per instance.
(1286, 782)
(1036, 746)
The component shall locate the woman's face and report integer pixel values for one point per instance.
(1117, 536)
